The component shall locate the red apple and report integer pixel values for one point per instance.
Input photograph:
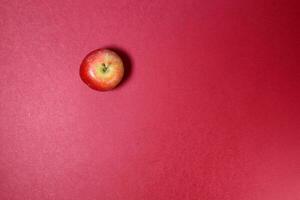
(102, 69)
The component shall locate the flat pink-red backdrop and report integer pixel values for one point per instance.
(210, 109)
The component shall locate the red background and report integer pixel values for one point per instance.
(209, 109)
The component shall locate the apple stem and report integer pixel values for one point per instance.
(105, 67)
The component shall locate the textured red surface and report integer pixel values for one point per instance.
(209, 110)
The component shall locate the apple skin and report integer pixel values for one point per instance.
(102, 69)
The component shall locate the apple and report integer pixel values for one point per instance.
(102, 69)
